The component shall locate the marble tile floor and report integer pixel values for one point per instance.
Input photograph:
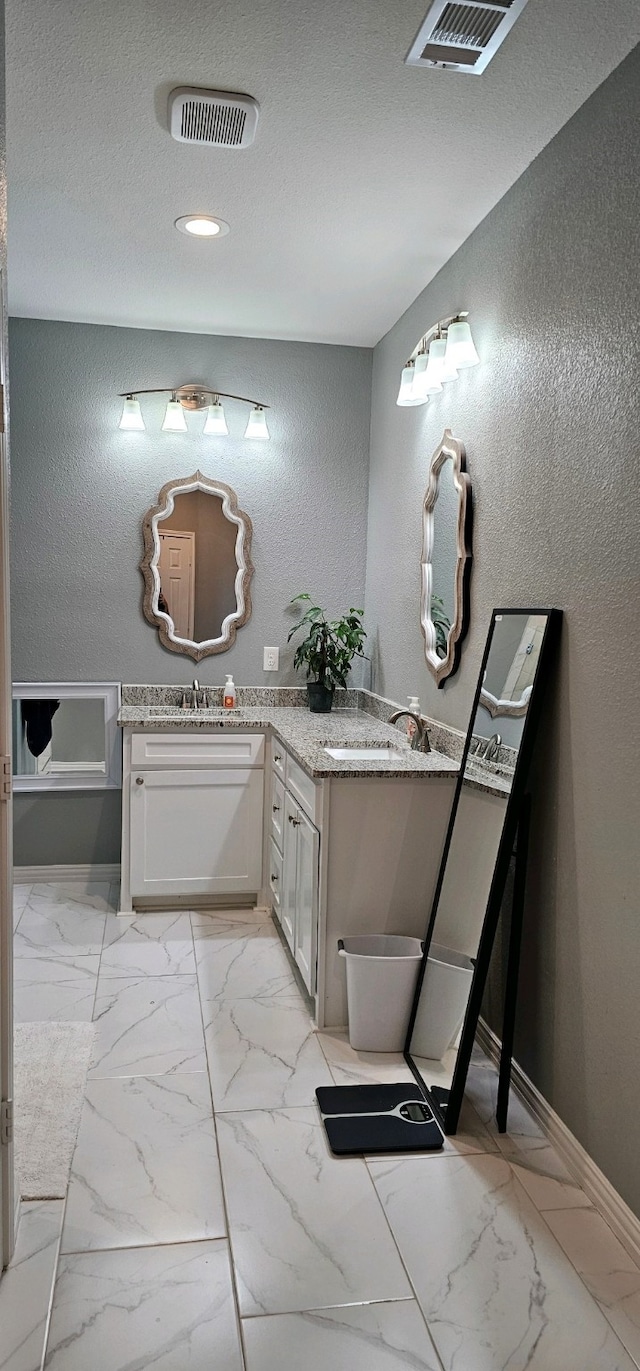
(206, 1222)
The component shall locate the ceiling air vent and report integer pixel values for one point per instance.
(214, 118)
(463, 37)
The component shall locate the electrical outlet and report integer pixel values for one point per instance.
(271, 659)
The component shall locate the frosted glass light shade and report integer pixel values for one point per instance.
(257, 424)
(215, 422)
(174, 420)
(405, 393)
(460, 352)
(425, 382)
(442, 370)
(131, 414)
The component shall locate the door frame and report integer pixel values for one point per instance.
(188, 535)
(7, 1199)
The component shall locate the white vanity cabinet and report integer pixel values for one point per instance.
(192, 815)
(295, 861)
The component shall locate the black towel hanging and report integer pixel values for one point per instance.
(36, 719)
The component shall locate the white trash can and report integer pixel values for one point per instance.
(382, 972)
(443, 1002)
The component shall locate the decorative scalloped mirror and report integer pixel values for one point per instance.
(197, 566)
(447, 515)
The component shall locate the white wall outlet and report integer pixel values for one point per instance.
(271, 660)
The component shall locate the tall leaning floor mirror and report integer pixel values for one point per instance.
(487, 826)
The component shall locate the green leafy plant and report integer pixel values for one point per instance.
(441, 624)
(327, 651)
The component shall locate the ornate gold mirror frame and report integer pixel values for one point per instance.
(449, 449)
(149, 566)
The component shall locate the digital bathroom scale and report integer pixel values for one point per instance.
(377, 1118)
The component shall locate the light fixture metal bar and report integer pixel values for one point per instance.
(179, 391)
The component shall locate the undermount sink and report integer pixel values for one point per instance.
(366, 754)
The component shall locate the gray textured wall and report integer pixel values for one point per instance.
(81, 487)
(551, 423)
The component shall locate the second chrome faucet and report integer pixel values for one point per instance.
(420, 740)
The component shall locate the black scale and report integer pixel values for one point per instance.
(377, 1118)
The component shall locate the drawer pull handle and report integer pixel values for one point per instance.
(139, 780)
(276, 809)
(296, 822)
(273, 878)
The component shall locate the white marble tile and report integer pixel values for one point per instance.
(369, 1337)
(212, 921)
(262, 1054)
(243, 961)
(25, 1288)
(307, 1229)
(349, 1067)
(148, 945)
(494, 1286)
(20, 897)
(147, 1026)
(63, 920)
(607, 1270)
(145, 1170)
(57, 989)
(169, 1308)
(539, 1167)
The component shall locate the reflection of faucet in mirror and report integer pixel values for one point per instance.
(491, 749)
(420, 740)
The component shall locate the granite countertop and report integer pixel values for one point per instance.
(304, 735)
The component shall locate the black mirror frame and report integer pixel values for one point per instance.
(448, 1113)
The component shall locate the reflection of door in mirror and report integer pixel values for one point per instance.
(176, 565)
(200, 552)
(479, 840)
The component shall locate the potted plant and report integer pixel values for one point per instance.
(441, 624)
(327, 651)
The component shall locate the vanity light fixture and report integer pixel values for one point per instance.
(194, 397)
(131, 414)
(257, 423)
(174, 420)
(446, 348)
(215, 422)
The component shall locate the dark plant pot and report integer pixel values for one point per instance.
(320, 697)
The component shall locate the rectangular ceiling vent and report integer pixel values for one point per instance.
(463, 37)
(214, 118)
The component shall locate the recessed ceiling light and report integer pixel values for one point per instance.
(202, 226)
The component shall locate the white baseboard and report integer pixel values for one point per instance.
(620, 1218)
(82, 871)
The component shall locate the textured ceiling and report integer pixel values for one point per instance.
(365, 176)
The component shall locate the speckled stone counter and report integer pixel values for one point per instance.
(358, 719)
(304, 734)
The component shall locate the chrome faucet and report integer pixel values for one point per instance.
(420, 741)
(194, 702)
(491, 749)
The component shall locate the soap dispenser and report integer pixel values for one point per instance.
(414, 705)
(229, 693)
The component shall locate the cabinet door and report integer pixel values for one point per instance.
(196, 832)
(289, 867)
(306, 922)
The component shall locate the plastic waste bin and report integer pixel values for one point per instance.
(443, 1002)
(382, 972)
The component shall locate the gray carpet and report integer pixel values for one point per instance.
(51, 1061)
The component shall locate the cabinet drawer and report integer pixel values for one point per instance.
(199, 748)
(277, 811)
(302, 788)
(278, 757)
(275, 878)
